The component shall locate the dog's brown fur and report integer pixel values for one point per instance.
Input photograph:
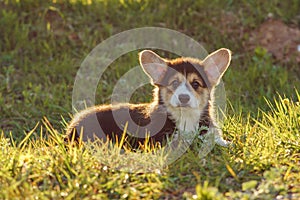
(160, 118)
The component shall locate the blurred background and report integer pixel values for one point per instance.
(42, 44)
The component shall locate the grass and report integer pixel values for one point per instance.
(261, 164)
(42, 45)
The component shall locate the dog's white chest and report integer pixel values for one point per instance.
(187, 119)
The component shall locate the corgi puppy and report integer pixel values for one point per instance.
(182, 102)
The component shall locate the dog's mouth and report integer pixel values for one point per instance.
(183, 105)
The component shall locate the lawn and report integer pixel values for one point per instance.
(43, 44)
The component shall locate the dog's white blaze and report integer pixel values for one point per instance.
(182, 89)
(187, 117)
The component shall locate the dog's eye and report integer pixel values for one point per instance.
(195, 85)
(175, 83)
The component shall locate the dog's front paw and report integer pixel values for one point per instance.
(224, 143)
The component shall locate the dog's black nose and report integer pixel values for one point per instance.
(184, 98)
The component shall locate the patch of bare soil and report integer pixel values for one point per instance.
(281, 40)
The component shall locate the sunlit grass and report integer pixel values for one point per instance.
(261, 163)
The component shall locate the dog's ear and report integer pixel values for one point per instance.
(153, 65)
(215, 64)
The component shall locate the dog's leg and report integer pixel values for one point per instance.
(219, 139)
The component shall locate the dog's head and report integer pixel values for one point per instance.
(185, 82)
